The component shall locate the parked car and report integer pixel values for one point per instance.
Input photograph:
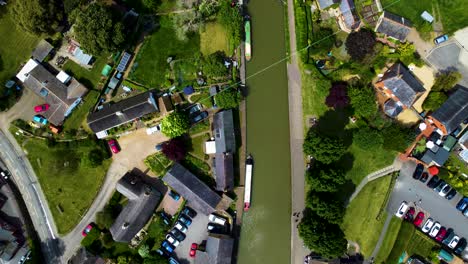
(194, 109)
(171, 239)
(40, 119)
(453, 243)
(433, 182)
(441, 234)
(441, 39)
(448, 236)
(153, 129)
(199, 117)
(193, 250)
(113, 146)
(451, 194)
(174, 195)
(410, 214)
(185, 220)
(418, 219)
(435, 229)
(439, 186)
(159, 146)
(427, 225)
(424, 177)
(418, 171)
(41, 108)
(86, 230)
(460, 246)
(189, 212)
(462, 204)
(217, 219)
(173, 261)
(445, 190)
(181, 227)
(167, 246)
(177, 234)
(215, 228)
(465, 213)
(402, 209)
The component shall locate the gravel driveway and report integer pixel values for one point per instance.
(438, 208)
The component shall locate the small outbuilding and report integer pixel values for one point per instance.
(427, 17)
(42, 50)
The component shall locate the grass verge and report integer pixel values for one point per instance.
(389, 240)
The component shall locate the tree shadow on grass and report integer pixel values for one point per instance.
(333, 123)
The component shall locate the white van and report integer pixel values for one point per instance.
(217, 219)
(154, 129)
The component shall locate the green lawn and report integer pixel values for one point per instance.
(68, 182)
(366, 162)
(197, 145)
(78, 116)
(452, 13)
(213, 37)
(359, 223)
(89, 78)
(153, 69)
(389, 240)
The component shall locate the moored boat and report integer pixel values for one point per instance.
(248, 182)
(248, 41)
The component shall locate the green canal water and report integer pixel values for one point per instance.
(265, 233)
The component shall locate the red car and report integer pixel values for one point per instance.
(441, 234)
(41, 108)
(419, 219)
(410, 214)
(193, 250)
(86, 230)
(113, 146)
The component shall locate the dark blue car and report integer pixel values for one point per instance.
(185, 220)
(462, 204)
(167, 246)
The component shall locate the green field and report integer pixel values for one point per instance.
(360, 224)
(389, 240)
(69, 183)
(152, 68)
(213, 37)
(452, 13)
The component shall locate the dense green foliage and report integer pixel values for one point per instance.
(232, 20)
(368, 138)
(323, 178)
(397, 138)
(324, 238)
(96, 157)
(175, 124)
(96, 29)
(363, 101)
(445, 81)
(323, 148)
(322, 40)
(326, 206)
(434, 100)
(37, 16)
(360, 43)
(94, 234)
(228, 98)
(213, 65)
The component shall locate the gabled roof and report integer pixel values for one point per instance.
(326, 3)
(42, 50)
(196, 192)
(223, 130)
(347, 10)
(439, 157)
(403, 84)
(392, 108)
(218, 250)
(454, 111)
(124, 111)
(394, 26)
(142, 200)
(224, 171)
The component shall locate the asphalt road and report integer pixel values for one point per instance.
(450, 56)
(438, 208)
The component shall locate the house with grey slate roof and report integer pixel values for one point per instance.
(218, 250)
(393, 26)
(142, 201)
(42, 50)
(117, 114)
(324, 4)
(453, 112)
(400, 87)
(225, 140)
(349, 20)
(198, 195)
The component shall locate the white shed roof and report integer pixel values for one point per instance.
(30, 65)
(63, 77)
(426, 16)
(210, 147)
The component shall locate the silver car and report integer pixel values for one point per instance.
(427, 225)
(435, 229)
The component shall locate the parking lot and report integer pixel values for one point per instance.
(418, 195)
(450, 56)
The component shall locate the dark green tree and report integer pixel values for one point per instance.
(105, 218)
(322, 40)
(96, 30)
(363, 101)
(324, 238)
(150, 4)
(155, 259)
(446, 81)
(228, 98)
(37, 16)
(213, 65)
(92, 236)
(326, 206)
(324, 178)
(368, 138)
(323, 148)
(434, 100)
(95, 157)
(175, 124)
(397, 138)
(360, 43)
(144, 251)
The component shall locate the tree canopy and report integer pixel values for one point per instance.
(37, 16)
(360, 43)
(326, 206)
(337, 97)
(326, 239)
(323, 178)
(434, 100)
(174, 149)
(144, 251)
(323, 148)
(213, 65)
(228, 98)
(175, 124)
(96, 30)
(397, 138)
(446, 81)
(232, 20)
(368, 138)
(363, 101)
